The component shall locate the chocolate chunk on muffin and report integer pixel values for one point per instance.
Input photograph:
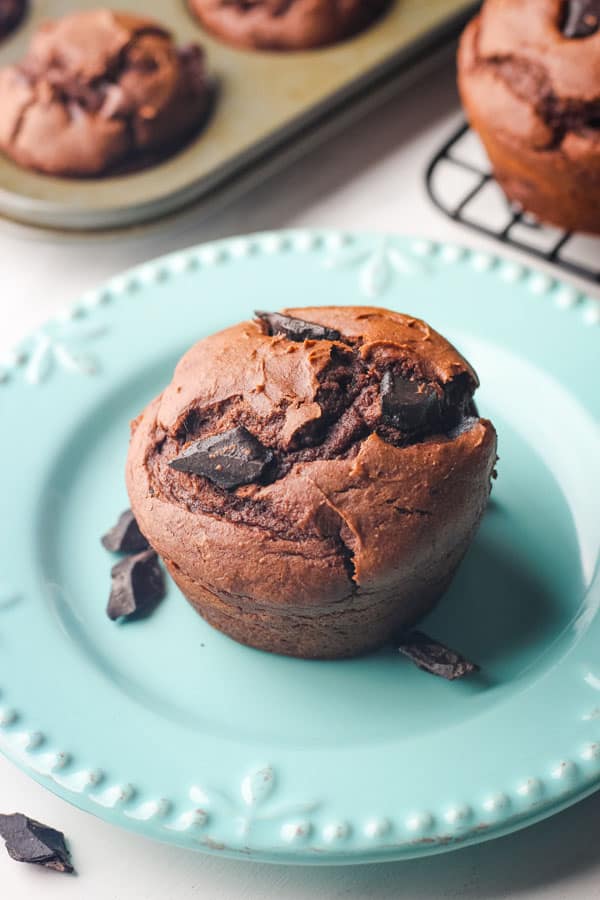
(98, 90)
(313, 478)
(285, 24)
(11, 14)
(529, 77)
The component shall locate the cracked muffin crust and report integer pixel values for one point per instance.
(529, 77)
(100, 89)
(285, 24)
(373, 474)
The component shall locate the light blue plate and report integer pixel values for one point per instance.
(168, 727)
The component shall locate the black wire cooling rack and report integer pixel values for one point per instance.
(461, 184)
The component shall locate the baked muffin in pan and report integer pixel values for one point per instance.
(285, 24)
(99, 90)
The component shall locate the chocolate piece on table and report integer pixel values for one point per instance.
(582, 18)
(408, 405)
(296, 329)
(431, 656)
(125, 536)
(11, 13)
(138, 584)
(228, 459)
(30, 841)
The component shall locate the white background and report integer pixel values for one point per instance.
(371, 176)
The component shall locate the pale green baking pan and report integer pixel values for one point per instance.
(269, 106)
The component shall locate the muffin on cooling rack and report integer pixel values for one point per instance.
(99, 90)
(313, 478)
(529, 77)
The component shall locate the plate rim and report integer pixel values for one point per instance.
(580, 774)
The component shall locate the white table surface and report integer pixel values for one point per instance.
(368, 177)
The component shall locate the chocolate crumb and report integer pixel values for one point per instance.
(228, 459)
(431, 656)
(31, 842)
(581, 19)
(125, 536)
(296, 329)
(137, 585)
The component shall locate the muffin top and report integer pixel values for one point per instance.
(335, 434)
(285, 24)
(538, 68)
(310, 382)
(96, 88)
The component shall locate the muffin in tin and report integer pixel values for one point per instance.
(285, 24)
(313, 478)
(100, 90)
(529, 76)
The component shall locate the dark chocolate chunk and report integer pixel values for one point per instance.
(408, 405)
(296, 329)
(228, 459)
(463, 426)
(468, 419)
(581, 18)
(125, 536)
(471, 409)
(138, 584)
(192, 56)
(11, 13)
(30, 841)
(433, 657)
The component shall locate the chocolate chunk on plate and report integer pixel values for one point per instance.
(431, 656)
(30, 841)
(228, 459)
(296, 329)
(408, 405)
(581, 18)
(125, 536)
(138, 584)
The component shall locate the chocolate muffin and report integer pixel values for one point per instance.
(97, 90)
(285, 24)
(313, 478)
(11, 13)
(529, 77)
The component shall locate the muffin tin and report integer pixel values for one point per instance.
(268, 104)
